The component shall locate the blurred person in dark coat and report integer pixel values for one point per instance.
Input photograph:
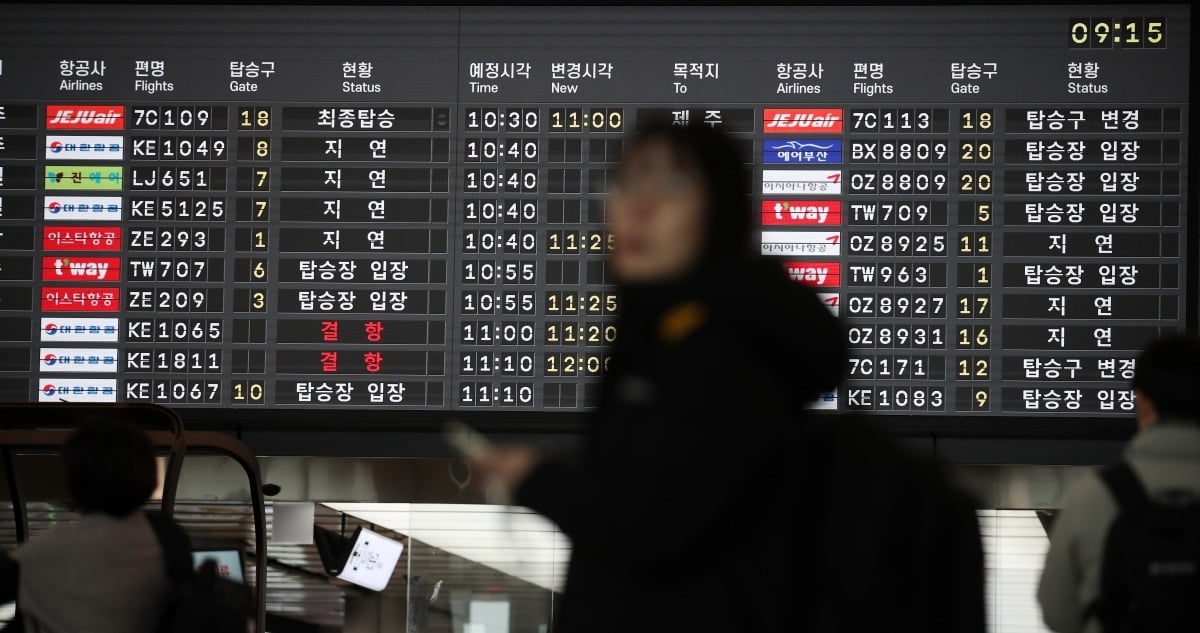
(676, 508)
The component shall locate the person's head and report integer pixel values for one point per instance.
(110, 467)
(680, 200)
(1167, 380)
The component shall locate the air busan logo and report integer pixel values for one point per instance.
(85, 117)
(81, 268)
(820, 120)
(802, 151)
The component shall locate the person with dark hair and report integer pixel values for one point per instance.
(111, 468)
(674, 508)
(105, 572)
(1108, 539)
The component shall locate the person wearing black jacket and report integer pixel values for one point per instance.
(677, 508)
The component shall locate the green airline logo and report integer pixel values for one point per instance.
(79, 177)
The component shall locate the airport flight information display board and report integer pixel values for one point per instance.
(274, 208)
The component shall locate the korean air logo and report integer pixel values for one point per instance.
(82, 360)
(72, 330)
(79, 147)
(87, 208)
(826, 402)
(77, 390)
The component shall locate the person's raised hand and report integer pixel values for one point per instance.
(502, 469)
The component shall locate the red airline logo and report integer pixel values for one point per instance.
(81, 299)
(802, 212)
(810, 120)
(81, 238)
(85, 117)
(71, 268)
(821, 274)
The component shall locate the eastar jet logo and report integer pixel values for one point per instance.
(81, 268)
(791, 120)
(77, 299)
(83, 238)
(85, 117)
(823, 274)
(802, 212)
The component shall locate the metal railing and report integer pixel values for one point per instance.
(25, 427)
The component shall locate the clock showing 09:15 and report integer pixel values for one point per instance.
(1118, 32)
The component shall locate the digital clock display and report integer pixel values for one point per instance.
(266, 210)
(1118, 33)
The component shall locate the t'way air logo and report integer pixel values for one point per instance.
(802, 212)
(820, 274)
(84, 177)
(78, 268)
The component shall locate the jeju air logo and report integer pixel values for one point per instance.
(792, 120)
(85, 117)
